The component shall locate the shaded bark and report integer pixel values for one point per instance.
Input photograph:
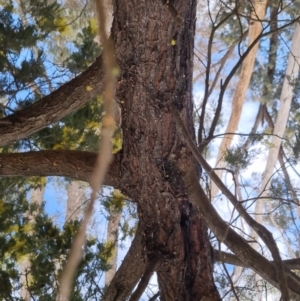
(156, 73)
(53, 107)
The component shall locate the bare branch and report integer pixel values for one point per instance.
(293, 264)
(234, 241)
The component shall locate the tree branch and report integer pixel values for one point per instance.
(137, 294)
(65, 163)
(234, 241)
(225, 233)
(53, 107)
(293, 264)
(129, 273)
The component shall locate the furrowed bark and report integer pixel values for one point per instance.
(143, 32)
(66, 99)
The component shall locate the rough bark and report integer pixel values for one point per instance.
(53, 107)
(156, 73)
(241, 89)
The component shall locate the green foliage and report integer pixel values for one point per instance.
(47, 248)
(32, 35)
(87, 50)
(238, 158)
(116, 202)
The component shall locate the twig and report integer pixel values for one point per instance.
(226, 272)
(102, 163)
(154, 297)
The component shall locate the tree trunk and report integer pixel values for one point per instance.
(36, 198)
(74, 201)
(112, 237)
(241, 89)
(279, 128)
(156, 73)
(291, 75)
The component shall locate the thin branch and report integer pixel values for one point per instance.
(206, 92)
(103, 160)
(232, 73)
(229, 258)
(151, 266)
(226, 272)
(263, 232)
(234, 241)
(154, 297)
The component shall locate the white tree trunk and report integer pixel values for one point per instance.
(291, 75)
(112, 237)
(75, 200)
(241, 89)
(36, 198)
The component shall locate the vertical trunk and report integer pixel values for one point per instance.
(75, 201)
(291, 75)
(111, 237)
(156, 73)
(36, 198)
(241, 89)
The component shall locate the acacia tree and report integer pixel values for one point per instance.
(157, 166)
